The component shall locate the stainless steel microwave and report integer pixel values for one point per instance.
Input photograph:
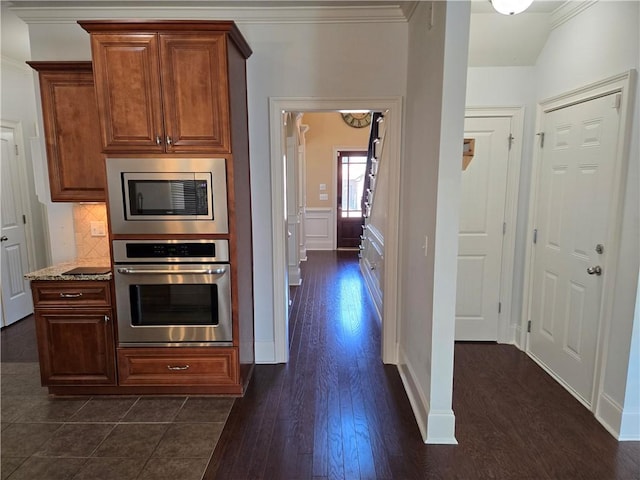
(167, 195)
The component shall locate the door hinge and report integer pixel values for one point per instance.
(535, 235)
(499, 307)
(511, 138)
(17, 151)
(504, 228)
(529, 326)
(24, 219)
(541, 135)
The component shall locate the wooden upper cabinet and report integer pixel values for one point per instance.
(72, 131)
(195, 92)
(163, 86)
(128, 92)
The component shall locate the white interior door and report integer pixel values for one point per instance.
(482, 208)
(16, 293)
(574, 198)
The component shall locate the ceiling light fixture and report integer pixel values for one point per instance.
(510, 7)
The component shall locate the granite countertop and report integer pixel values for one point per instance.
(57, 272)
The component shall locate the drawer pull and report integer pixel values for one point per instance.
(71, 295)
(178, 367)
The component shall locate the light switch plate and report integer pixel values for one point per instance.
(324, 196)
(98, 229)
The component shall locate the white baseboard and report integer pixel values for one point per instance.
(441, 428)
(435, 427)
(295, 276)
(517, 336)
(609, 414)
(630, 427)
(509, 335)
(417, 398)
(265, 352)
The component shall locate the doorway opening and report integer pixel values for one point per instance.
(16, 242)
(488, 223)
(279, 107)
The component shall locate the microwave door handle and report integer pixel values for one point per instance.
(206, 271)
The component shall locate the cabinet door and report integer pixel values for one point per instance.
(127, 79)
(195, 92)
(72, 132)
(76, 346)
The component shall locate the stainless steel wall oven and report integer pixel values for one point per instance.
(173, 293)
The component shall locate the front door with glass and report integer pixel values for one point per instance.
(352, 166)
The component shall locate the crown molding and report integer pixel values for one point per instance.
(408, 8)
(249, 13)
(568, 10)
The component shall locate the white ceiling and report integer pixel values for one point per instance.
(495, 40)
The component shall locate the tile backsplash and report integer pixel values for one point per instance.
(90, 247)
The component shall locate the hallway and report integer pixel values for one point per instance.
(336, 412)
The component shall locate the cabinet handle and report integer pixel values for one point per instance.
(158, 140)
(71, 295)
(169, 141)
(106, 319)
(178, 367)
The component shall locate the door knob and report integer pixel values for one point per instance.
(594, 270)
(4, 238)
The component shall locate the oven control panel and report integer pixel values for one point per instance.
(169, 251)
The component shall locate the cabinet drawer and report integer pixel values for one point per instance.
(69, 293)
(177, 366)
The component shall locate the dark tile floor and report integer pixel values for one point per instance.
(92, 438)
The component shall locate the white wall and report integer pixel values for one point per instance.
(330, 60)
(430, 183)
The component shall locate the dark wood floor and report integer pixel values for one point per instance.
(336, 412)
(18, 341)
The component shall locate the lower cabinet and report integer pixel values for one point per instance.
(78, 355)
(76, 346)
(74, 326)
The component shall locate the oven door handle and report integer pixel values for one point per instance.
(206, 271)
